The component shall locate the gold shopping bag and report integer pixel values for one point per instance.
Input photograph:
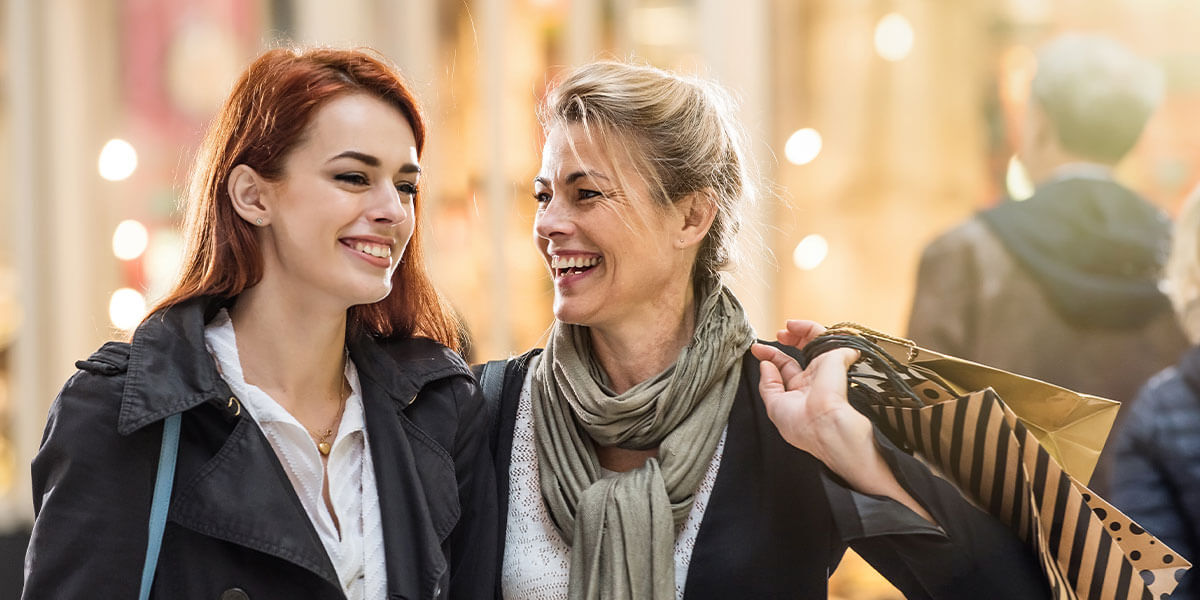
(1020, 460)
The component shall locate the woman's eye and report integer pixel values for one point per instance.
(353, 178)
(541, 197)
(406, 188)
(589, 194)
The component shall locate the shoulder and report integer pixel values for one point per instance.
(513, 367)
(970, 233)
(1166, 411)
(97, 385)
(406, 366)
(111, 359)
(1166, 398)
(425, 352)
(81, 426)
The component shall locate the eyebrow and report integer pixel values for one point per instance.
(372, 161)
(573, 177)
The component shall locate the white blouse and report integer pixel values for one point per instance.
(536, 559)
(357, 553)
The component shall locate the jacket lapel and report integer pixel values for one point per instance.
(414, 567)
(243, 496)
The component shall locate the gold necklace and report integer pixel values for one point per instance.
(324, 446)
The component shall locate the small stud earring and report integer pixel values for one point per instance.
(258, 221)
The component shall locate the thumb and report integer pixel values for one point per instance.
(770, 383)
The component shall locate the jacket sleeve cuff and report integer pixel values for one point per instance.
(860, 516)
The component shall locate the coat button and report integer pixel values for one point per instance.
(235, 594)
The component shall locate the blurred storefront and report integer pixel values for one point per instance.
(876, 123)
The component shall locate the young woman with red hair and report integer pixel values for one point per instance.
(330, 442)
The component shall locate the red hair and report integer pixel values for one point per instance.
(262, 121)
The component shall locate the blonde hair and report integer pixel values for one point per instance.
(680, 134)
(1182, 272)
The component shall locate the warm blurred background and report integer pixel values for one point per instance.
(877, 123)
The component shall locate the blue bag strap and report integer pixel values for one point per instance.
(162, 500)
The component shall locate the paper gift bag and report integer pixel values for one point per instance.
(995, 457)
(1071, 426)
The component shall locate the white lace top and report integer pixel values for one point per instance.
(536, 559)
(357, 553)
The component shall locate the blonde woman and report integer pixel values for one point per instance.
(646, 452)
(1156, 447)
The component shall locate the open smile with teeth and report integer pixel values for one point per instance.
(377, 250)
(573, 264)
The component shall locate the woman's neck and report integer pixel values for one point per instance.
(291, 350)
(635, 350)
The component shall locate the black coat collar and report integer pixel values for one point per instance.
(168, 370)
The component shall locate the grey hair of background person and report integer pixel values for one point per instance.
(1097, 93)
(1182, 273)
(679, 132)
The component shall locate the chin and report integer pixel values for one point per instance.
(370, 294)
(571, 314)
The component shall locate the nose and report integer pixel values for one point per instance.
(553, 218)
(389, 206)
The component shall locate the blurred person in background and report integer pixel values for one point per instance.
(1063, 287)
(646, 452)
(331, 443)
(1156, 449)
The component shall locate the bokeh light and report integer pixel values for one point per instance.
(129, 240)
(1017, 181)
(126, 308)
(118, 160)
(803, 146)
(810, 252)
(894, 37)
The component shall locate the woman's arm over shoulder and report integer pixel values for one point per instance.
(91, 492)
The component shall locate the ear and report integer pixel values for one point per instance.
(697, 211)
(249, 194)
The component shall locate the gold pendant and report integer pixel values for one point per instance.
(324, 448)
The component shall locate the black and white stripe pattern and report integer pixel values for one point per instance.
(980, 445)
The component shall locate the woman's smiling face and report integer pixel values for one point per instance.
(610, 247)
(343, 213)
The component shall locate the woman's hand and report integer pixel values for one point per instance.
(810, 409)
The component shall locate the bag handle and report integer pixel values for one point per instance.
(163, 482)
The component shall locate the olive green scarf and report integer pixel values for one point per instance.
(622, 529)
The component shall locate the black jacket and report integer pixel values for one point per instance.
(777, 522)
(235, 521)
(1156, 472)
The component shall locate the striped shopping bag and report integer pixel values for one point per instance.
(1004, 460)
